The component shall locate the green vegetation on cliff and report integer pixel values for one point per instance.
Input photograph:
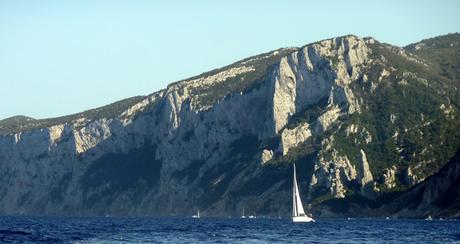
(21, 123)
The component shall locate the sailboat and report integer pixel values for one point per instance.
(243, 216)
(197, 215)
(298, 214)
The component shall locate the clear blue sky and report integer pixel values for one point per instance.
(62, 57)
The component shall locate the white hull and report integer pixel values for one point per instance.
(302, 219)
(197, 216)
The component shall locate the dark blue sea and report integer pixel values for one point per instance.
(209, 230)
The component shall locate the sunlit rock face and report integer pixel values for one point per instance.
(316, 71)
(225, 140)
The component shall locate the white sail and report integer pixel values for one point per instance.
(298, 213)
(297, 202)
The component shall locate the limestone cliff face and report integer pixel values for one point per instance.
(221, 141)
(321, 70)
(293, 137)
(334, 172)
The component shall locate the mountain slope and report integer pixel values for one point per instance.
(438, 196)
(443, 52)
(361, 119)
(22, 123)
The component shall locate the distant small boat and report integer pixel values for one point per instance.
(298, 214)
(197, 215)
(243, 216)
(387, 218)
(429, 218)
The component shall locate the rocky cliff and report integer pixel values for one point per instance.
(437, 196)
(358, 117)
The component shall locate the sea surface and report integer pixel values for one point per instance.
(213, 230)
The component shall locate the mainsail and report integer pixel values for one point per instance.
(297, 207)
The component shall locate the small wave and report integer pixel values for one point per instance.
(456, 236)
(15, 232)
